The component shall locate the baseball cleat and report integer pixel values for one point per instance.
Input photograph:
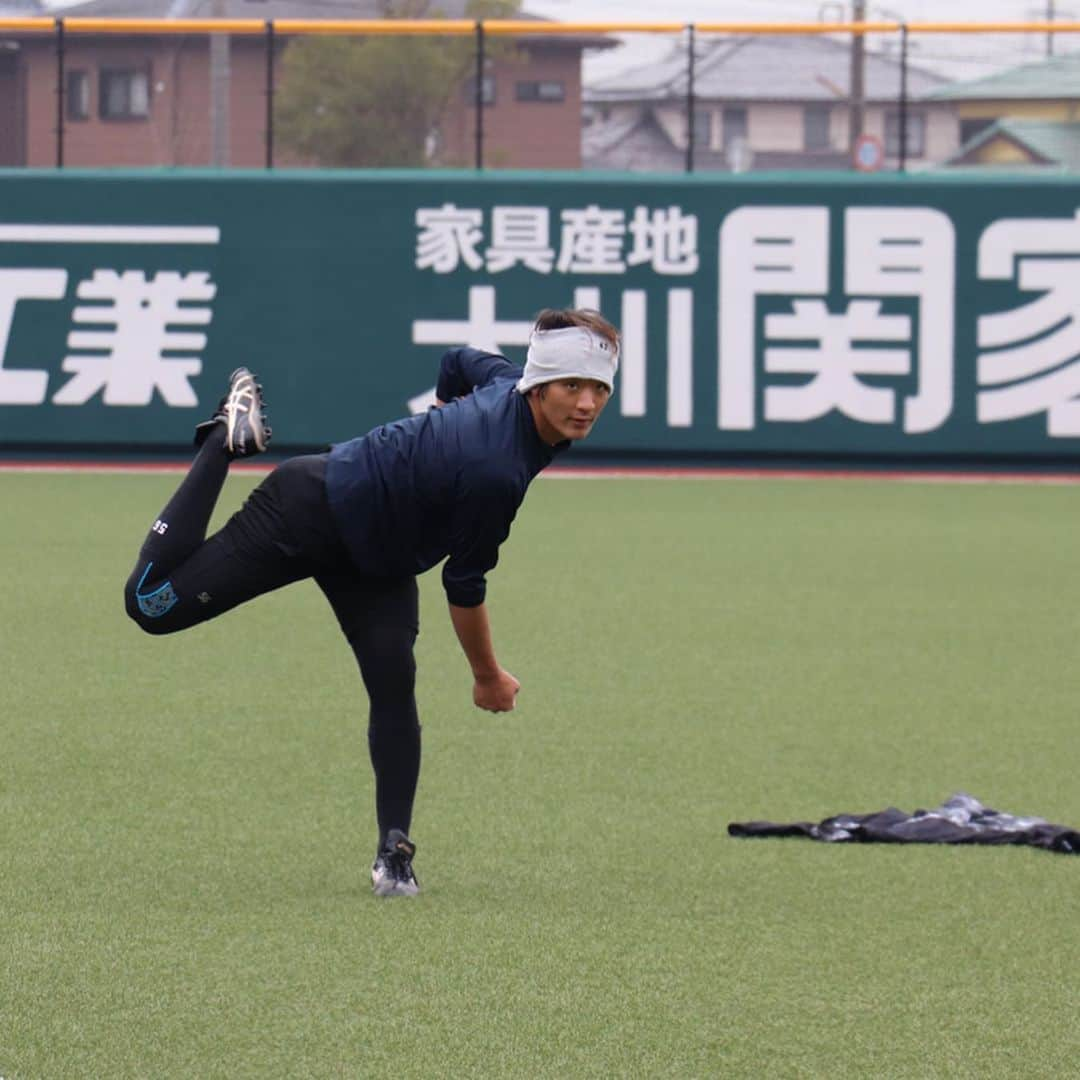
(242, 411)
(392, 872)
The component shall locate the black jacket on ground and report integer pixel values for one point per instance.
(961, 819)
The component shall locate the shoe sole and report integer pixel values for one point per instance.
(396, 890)
(390, 887)
(244, 403)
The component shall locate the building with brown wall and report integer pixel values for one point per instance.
(146, 99)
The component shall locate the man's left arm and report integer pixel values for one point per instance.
(494, 688)
(482, 522)
(462, 370)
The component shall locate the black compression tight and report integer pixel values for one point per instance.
(281, 535)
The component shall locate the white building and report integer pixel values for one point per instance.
(763, 102)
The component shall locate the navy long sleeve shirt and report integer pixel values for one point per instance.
(445, 483)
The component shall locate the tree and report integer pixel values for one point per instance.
(376, 101)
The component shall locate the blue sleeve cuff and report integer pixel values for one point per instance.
(462, 370)
(467, 593)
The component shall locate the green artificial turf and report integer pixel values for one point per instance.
(186, 822)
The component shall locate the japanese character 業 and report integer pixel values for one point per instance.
(129, 360)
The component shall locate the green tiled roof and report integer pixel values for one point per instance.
(1057, 144)
(1049, 80)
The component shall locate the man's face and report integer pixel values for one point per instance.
(568, 408)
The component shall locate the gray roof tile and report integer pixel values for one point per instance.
(764, 68)
(1048, 80)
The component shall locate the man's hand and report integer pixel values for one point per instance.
(494, 688)
(497, 692)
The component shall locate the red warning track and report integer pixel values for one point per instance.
(911, 476)
(620, 472)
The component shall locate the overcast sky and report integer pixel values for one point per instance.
(960, 56)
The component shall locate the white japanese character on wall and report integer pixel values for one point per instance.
(520, 234)
(448, 236)
(668, 239)
(835, 362)
(481, 327)
(911, 251)
(137, 353)
(764, 251)
(22, 385)
(1031, 362)
(592, 241)
(889, 251)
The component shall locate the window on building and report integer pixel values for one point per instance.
(816, 127)
(124, 93)
(548, 90)
(703, 128)
(487, 90)
(916, 135)
(736, 125)
(77, 96)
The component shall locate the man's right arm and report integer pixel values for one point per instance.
(493, 688)
(462, 370)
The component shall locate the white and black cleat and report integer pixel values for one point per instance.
(392, 872)
(243, 412)
(246, 430)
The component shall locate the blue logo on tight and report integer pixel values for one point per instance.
(158, 602)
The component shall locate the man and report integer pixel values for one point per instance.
(368, 516)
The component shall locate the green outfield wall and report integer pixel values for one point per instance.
(916, 317)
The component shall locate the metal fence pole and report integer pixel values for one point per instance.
(902, 164)
(269, 93)
(479, 94)
(59, 93)
(857, 83)
(690, 98)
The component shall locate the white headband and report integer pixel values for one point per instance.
(567, 352)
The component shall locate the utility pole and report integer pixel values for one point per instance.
(219, 92)
(1050, 13)
(857, 108)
